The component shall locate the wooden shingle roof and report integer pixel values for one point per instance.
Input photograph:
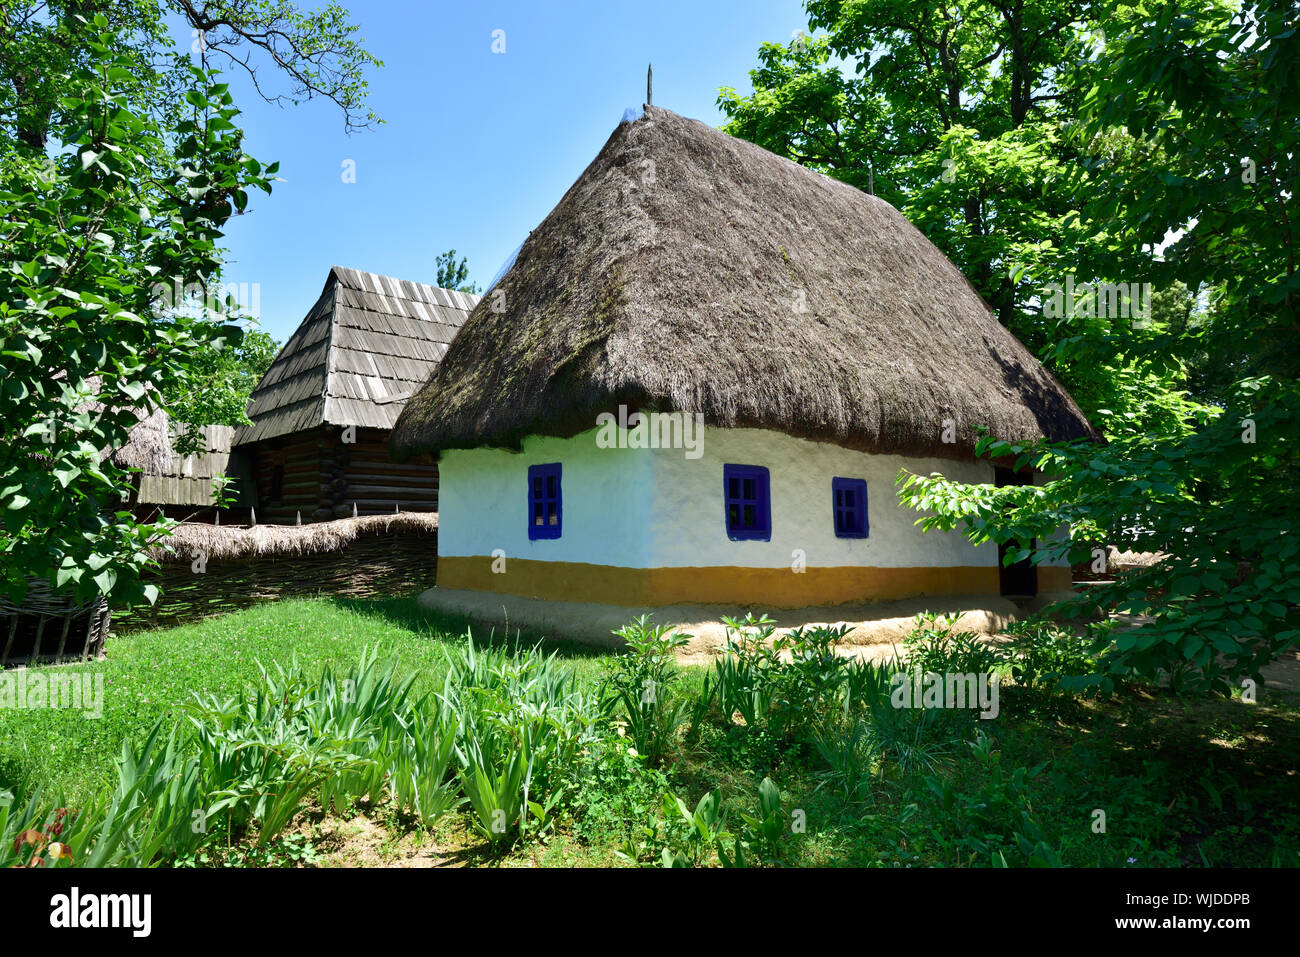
(187, 480)
(365, 347)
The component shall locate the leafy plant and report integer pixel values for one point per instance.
(996, 818)
(767, 826)
(641, 685)
(521, 725)
(1044, 655)
(934, 645)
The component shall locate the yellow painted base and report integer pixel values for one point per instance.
(771, 587)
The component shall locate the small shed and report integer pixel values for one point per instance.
(317, 445)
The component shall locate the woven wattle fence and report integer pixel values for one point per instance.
(207, 570)
(49, 627)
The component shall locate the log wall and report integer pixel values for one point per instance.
(325, 477)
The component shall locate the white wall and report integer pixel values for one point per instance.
(605, 502)
(692, 529)
(655, 508)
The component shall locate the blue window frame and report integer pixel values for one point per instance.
(746, 493)
(849, 506)
(545, 501)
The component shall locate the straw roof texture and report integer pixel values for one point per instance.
(687, 270)
(148, 446)
(259, 541)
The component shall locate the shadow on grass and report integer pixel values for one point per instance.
(405, 612)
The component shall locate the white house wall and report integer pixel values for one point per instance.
(646, 526)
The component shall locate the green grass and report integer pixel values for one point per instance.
(1182, 781)
(152, 675)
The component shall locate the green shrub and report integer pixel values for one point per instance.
(615, 791)
(641, 686)
(993, 822)
(1045, 656)
(787, 683)
(932, 645)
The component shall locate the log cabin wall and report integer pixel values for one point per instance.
(365, 474)
(288, 475)
(321, 476)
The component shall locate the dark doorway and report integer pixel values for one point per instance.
(1022, 577)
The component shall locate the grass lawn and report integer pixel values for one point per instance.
(151, 675)
(1142, 779)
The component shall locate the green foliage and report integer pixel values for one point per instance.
(522, 726)
(767, 826)
(779, 683)
(689, 838)
(615, 791)
(1210, 481)
(454, 275)
(693, 838)
(642, 685)
(1043, 655)
(932, 645)
(121, 164)
(224, 380)
(1180, 782)
(997, 819)
(125, 207)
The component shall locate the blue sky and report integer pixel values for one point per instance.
(477, 147)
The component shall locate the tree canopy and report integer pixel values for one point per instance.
(121, 161)
(1109, 144)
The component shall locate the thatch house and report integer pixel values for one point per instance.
(180, 486)
(318, 442)
(184, 486)
(824, 342)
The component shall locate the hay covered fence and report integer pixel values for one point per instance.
(205, 570)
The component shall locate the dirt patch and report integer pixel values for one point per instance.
(360, 840)
(880, 624)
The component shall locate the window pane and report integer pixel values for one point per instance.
(733, 488)
(750, 494)
(750, 520)
(733, 515)
(550, 486)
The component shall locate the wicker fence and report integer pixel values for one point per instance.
(48, 627)
(211, 570)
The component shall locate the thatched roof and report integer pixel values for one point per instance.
(366, 345)
(148, 446)
(260, 541)
(670, 277)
